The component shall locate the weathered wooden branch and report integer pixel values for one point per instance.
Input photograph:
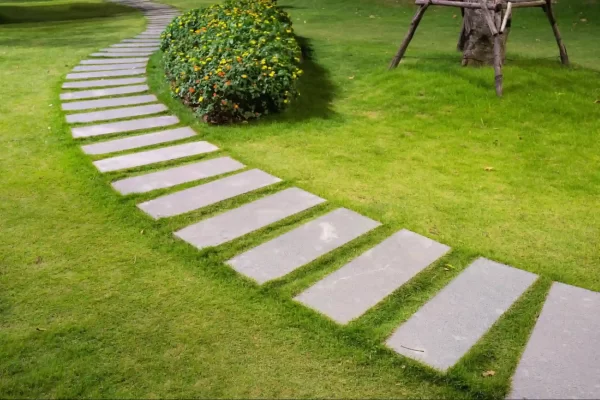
(409, 35)
(564, 57)
(506, 17)
(490, 6)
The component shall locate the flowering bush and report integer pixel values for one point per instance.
(232, 61)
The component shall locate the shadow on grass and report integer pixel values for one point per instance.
(16, 14)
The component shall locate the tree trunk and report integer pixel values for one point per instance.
(476, 40)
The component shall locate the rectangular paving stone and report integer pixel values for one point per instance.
(113, 54)
(124, 126)
(114, 102)
(207, 194)
(141, 41)
(129, 50)
(102, 61)
(108, 67)
(447, 326)
(302, 245)
(248, 218)
(350, 291)
(90, 94)
(176, 176)
(134, 142)
(106, 74)
(154, 156)
(103, 83)
(562, 358)
(154, 45)
(117, 113)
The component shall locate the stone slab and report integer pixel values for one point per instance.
(154, 45)
(134, 142)
(124, 126)
(90, 94)
(116, 113)
(102, 61)
(108, 67)
(114, 102)
(112, 54)
(446, 327)
(106, 74)
(154, 156)
(292, 250)
(207, 194)
(350, 291)
(141, 41)
(176, 176)
(103, 83)
(248, 218)
(562, 358)
(129, 50)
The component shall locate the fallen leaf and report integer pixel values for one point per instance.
(489, 169)
(597, 101)
(142, 232)
(583, 20)
(351, 77)
(38, 260)
(371, 16)
(454, 16)
(40, 329)
(488, 373)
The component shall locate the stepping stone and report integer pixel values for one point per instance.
(103, 103)
(113, 54)
(89, 94)
(562, 358)
(136, 45)
(108, 67)
(129, 50)
(446, 327)
(154, 156)
(248, 218)
(103, 83)
(106, 74)
(101, 61)
(141, 41)
(135, 142)
(350, 291)
(302, 245)
(148, 36)
(207, 194)
(124, 126)
(176, 176)
(117, 113)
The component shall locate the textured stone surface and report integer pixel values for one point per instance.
(90, 94)
(135, 142)
(207, 194)
(302, 245)
(104, 103)
(125, 112)
(142, 41)
(106, 74)
(113, 54)
(128, 50)
(154, 156)
(248, 218)
(103, 83)
(445, 328)
(359, 285)
(562, 358)
(100, 61)
(124, 126)
(176, 176)
(108, 67)
(136, 45)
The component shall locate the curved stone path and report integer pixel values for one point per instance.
(562, 358)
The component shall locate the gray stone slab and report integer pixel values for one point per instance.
(176, 176)
(562, 358)
(148, 36)
(104, 103)
(141, 41)
(302, 245)
(116, 113)
(124, 126)
(108, 67)
(113, 54)
(90, 94)
(207, 194)
(106, 74)
(103, 83)
(129, 50)
(154, 156)
(350, 291)
(134, 142)
(446, 327)
(248, 218)
(101, 61)
(154, 45)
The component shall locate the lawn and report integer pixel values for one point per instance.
(98, 301)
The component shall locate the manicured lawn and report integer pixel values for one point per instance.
(99, 301)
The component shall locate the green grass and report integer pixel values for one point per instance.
(97, 300)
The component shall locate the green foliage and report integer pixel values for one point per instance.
(233, 61)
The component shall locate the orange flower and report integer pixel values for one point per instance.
(228, 83)
(192, 90)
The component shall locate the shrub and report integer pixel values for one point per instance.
(233, 61)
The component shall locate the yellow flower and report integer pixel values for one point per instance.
(201, 99)
(272, 74)
(263, 61)
(264, 67)
(244, 76)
